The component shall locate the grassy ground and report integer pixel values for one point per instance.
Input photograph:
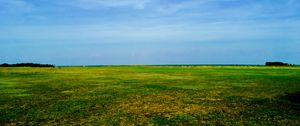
(150, 95)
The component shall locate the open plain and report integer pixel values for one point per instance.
(150, 95)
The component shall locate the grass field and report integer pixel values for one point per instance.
(150, 95)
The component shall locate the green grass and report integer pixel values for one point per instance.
(149, 95)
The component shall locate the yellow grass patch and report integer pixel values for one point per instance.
(164, 103)
(209, 99)
(67, 92)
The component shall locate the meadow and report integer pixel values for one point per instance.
(150, 95)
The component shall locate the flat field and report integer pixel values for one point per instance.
(150, 95)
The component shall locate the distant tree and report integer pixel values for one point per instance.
(276, 64)
(4, 64)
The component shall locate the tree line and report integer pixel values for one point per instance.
(26, 65)
(278, 64)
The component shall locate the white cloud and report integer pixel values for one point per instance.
(162, 33)
(173, 8)
(97, 4)
(15, 6)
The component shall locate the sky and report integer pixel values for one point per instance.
(137, 32)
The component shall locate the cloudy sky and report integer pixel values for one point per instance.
(90, 32)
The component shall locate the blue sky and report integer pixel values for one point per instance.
(112, 32)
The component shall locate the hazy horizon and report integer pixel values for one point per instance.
(136, 32)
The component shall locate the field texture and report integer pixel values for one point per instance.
(150, 95)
